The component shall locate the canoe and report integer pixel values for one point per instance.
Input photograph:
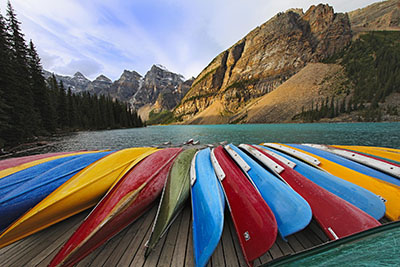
(375, 247)
(79, 193)
(173, 198)
(16, 202)
(129, 198)
(349, 164)
(390, 193)
(354, 194)
(292, 212)
(13, 162)
(254, 221)
(207, 207)
(386, 153)
(8, 171)
(13, 181)
(337, 217)
(379, 164)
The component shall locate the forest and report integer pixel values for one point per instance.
(372, 66)
(32, 106)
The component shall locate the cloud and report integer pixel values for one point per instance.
(109, 36)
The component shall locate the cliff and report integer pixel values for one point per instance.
(265, 58)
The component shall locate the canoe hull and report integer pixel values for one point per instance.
(207, 208)
(28, 194)
(79, 193)
(389, 192)
(337, 217)
(122, 205)
(291, 211)
(354, 194)
(174, 196)
(254, 221)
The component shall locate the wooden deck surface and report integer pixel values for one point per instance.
(127, 248)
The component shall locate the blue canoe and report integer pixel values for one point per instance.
(291, 211)
(354, 194)
(208, 205)
(16, 202)
(12, 181)
(349, 164)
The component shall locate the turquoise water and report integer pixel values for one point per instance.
(377, 134)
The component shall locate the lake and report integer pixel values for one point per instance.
(376, 134)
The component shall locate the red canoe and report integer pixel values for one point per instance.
(122, 205)
(337, 217)
(254, 221)
(12, 162)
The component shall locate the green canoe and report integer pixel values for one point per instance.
(173, 198)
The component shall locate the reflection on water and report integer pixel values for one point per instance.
(377, 134)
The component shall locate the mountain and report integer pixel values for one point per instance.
(287, 53)
(78, 83)
(159, 89)
(266, 57)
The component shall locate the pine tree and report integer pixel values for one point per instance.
(5, 83)
(41, 94)
(24, 116)
(62, 107)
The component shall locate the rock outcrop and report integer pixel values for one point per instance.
(265, 58)
(383, 15)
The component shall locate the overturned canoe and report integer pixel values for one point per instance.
(173, 198)
(354, 194)
(13, 162)
(291, 211)
(207, 207)
(380, 164)
(129, 198)
(349, 164)
(14, 180)
(80, 192)
(254, 221)
(383, 152)
(337, 217)
(28, 194)
(390, 193)
(18, 168)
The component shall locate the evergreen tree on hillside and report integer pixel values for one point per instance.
(62, 107)
(5, 83)
(24, 115)
(41, 94)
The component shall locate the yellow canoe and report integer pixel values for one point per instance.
(383, 152)
(391, 193)
(6, 172)
(81, 192)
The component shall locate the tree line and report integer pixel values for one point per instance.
(31, 106)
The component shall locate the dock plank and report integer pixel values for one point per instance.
(169, 245)
(178, 259)
(236, 244)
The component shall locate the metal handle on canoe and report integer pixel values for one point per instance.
(242, 164)
(217, 168)
(293, 152)
(269, 163)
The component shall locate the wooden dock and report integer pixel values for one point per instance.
(127, 248)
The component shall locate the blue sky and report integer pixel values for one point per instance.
(107, 36)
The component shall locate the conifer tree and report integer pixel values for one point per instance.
(62, 107)
(24, 115)
(41, 94)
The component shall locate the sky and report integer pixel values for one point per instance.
(108, 36)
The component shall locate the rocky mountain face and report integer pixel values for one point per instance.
(160, 87)
(266, 57)
(383, 15)
(78, 83)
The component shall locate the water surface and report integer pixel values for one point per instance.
(376, 134)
